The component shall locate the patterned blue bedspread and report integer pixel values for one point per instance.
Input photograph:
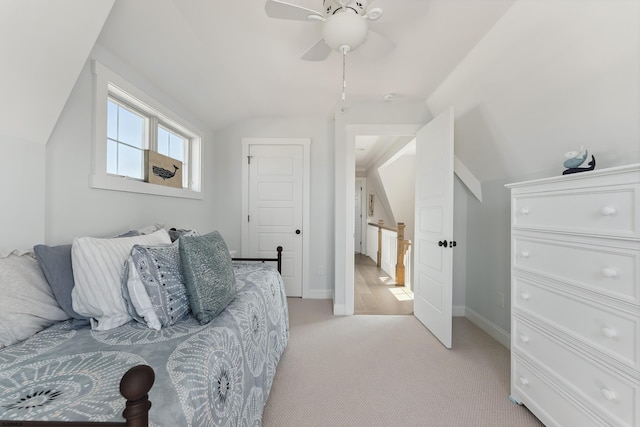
(219, 374)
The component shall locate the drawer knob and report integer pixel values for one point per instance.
(609, 332)
(524, 381)
(524, 296)
(608, 394)
(524, 211)
(609, 272)
(524, 254)
(608, 211)
(524, 339)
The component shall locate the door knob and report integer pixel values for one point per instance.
(442, 243)
(298, 231)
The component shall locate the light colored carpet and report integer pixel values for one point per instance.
(388, 371)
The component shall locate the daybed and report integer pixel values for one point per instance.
(208, 372)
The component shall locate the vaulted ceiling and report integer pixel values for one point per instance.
(228, 61)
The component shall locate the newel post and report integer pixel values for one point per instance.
(400, 258)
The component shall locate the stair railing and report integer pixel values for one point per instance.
(401, 249)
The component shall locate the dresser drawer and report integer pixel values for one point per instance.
(611, 331)
(612, 395)
(592, 264)
(545, 401)
(609, 211)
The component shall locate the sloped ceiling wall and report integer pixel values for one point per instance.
(549, 77)
(44, 47)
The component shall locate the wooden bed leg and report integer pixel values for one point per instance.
(134, 386)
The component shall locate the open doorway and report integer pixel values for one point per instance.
(384, 192)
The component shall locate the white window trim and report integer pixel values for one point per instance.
(99, 178)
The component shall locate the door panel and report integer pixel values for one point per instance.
(433, 291)
(275, 208)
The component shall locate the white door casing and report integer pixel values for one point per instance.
(433, 251)
(360, 216)
(275, 204)
(344, 186)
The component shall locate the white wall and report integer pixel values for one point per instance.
(398, 178)
(227, 179)
(549, 77)
(75, 209)
(22, 187)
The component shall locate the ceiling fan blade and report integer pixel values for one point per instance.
(376, 46)
(281, 10)
(318, 52)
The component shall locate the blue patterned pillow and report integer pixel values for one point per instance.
(208, 274)
(153, 285)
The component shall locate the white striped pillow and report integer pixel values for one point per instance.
(97, 266)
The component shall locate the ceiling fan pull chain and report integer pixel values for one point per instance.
(344, 72)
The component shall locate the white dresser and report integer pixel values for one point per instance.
(575, 297)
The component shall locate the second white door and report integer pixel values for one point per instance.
(275, 207)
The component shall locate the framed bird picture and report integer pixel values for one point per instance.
(162, 170)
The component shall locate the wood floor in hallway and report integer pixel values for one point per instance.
(376, 293)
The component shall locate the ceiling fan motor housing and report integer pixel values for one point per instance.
(333, 6)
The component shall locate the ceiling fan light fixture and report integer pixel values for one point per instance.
(344, 28)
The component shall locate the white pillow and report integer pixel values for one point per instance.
(140, 298)
(27, 305)
(97, 266)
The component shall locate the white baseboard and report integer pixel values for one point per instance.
(459, 311)
(338, 310)
(495, 331)
(318, 294)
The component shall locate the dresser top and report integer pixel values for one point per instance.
(580, 175)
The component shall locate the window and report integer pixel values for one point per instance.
(127, 123)
(126, 140)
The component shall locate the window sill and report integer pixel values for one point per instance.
(116, 183)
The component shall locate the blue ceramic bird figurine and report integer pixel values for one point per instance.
(577, 158)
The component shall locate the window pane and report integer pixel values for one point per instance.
(130, 128)
(163, 141)
(176, 147)
(112, 156)
(129, 161)
(112, 120)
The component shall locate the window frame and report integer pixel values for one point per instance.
(109, 84)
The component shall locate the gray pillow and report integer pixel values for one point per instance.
(153, 275)
(55, 262)
(208, 274)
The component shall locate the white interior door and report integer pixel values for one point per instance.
(433, 252)
(275, 208)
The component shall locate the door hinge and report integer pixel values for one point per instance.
(248, 218)
(249, 159)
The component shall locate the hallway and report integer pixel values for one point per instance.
(376, 293)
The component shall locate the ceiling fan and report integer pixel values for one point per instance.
(345, 27)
